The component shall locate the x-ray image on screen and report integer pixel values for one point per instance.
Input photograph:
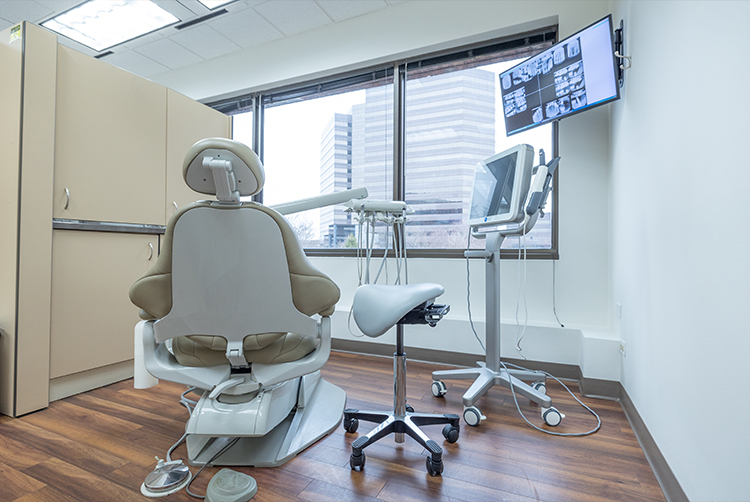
(573, 75)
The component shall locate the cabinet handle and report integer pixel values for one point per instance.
(176, 207)
(67, 198)
(152, 251)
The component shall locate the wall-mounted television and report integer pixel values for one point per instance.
(576, 74)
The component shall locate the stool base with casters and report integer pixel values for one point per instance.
(403, 419)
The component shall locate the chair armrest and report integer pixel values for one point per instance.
(161, 363)
(271, 374)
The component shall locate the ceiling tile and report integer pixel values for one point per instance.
(339, 11)
(246, 28)
(293, 16)
(205, 41)
(60, 6)
(135, 63)
(5, 24)
(16, 11)
(168, 53)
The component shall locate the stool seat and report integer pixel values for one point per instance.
(376, 308)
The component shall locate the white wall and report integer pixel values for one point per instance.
(583, 292)
(680, 236)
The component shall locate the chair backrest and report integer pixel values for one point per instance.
(230, 268)
(230, 277)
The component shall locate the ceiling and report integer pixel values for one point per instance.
(247, 23)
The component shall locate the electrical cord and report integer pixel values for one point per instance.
(520, 333)
(552, 433)
(505, 365)
(468, 295)
(186, 402)
(207, 464)
(554, 295)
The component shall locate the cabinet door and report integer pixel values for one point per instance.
(187, 122)
(92, 317)
(110, 145)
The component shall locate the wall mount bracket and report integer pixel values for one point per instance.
(619, 49)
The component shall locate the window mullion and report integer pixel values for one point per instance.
(258, 128)
(399, 133)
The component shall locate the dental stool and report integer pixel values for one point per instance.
(247, 316)
(377, 308)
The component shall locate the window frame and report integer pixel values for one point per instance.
(512, 47)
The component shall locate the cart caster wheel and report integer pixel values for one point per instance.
(450, 433)
(438, 388)
(551, 416)
(434, 468)
(540, 386)
(409, 409)
(357, 462)
(472, 416)
(351, 425)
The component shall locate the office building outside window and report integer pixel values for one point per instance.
(323, 142)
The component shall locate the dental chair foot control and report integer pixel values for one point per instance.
(231, 486)
(166, 478)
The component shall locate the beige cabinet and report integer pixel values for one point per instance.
(28, 56)
(187, 122)
(91, 157)
(110, 143)
(92, 319)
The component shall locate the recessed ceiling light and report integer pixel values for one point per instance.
(101, 24)
(212, 4)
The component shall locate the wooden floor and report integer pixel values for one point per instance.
(99, 446)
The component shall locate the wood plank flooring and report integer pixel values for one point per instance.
(99, 446)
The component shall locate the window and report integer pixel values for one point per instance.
(336, 134)
(454, 119)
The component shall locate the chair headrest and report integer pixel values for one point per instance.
(223, 167)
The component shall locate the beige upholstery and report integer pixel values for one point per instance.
(312, 291)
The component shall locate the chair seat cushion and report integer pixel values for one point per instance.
(267, 348)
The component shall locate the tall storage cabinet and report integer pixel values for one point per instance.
(28, 58)
(110, 142)
(91, 158)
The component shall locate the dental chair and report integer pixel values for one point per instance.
(234, 309)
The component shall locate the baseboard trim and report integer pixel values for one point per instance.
(590, 387)
(69, 385)
(664, 475)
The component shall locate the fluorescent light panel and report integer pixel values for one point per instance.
(101, 24)
(212, 4)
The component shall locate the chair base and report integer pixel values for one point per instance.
(485, 378)
(306, 424)
(401, 421)
(390, 423)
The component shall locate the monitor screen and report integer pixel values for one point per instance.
(500, 186)
(573, 75)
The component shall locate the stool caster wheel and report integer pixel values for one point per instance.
(434, 468)
(539, 386)
(438, 388)
(450, 433)
(409, 409)
(472, 416)
(551, 416)
(357, 462)
(351, 425)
